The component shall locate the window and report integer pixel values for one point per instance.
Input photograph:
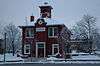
(29, 32)
(52, 31)
(55, 48)
(41, 45)
(27, 49)
(55, 31)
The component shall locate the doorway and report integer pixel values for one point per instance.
(40, 49)
(55, 49)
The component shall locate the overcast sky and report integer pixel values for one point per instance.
(67, 11)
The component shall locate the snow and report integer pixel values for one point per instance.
(51, 21)
(78, 53)
(81, 58)
(53, 58)
(98, 52)
(9, 57)
(93, 59)
(43, 4)
(53, 62)
(1, 36)
(28, 23)
(86, 57)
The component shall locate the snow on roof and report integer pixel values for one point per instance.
(28, 23)
(44, 4)
(51, 21)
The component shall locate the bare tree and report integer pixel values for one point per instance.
(96, 40)
(63, 39)
(1, 28)
(86, 29)
(13, 37)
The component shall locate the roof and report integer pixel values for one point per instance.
(46, 7)
(45, 4)
(49, 21)
(26, 26)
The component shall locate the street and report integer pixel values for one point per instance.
(48, 64)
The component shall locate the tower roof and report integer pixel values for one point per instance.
(45, 5)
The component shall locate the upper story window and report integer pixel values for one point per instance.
(52, 31)
(29, 32)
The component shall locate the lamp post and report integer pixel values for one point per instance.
(5, 47)
(31, 50)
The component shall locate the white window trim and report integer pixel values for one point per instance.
(53, 48)
(37, 49)
(26, 33)
(25, 48)
(52, 33)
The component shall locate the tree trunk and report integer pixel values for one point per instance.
(13, 49)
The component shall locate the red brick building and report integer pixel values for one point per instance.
(41, 39)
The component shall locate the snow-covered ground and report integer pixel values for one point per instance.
(97, 52)
(86, 57)
(77, 58)
(80, 58)
(10, 57)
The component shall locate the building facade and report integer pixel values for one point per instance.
(41, 39)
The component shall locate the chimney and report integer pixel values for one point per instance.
(31, 18)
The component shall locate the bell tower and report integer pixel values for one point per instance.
(45, 11)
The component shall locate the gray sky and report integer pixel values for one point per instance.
(67, 11)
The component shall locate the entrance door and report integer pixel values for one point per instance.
(55, 49)
(40, 49)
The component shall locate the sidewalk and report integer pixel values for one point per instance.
(33, 59)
